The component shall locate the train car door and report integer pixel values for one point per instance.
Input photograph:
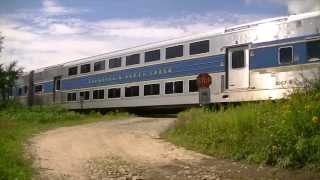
(56, 88)
(238, 68)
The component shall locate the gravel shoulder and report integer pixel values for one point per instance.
(132, 149)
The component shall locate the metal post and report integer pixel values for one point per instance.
(31, 88)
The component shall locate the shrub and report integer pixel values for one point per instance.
(285, 133)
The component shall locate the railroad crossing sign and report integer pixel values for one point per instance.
(204, 81)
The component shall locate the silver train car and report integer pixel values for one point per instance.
(256, 61)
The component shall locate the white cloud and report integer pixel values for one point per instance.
(59, 29)
(294, 6)
(52, 8)
(43, 40)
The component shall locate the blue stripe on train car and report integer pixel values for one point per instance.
(285, 41)
(153, 72)
(268, 57)
(47, 87)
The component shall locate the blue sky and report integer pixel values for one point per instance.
(40, 33)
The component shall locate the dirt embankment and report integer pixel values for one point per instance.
(131, 149)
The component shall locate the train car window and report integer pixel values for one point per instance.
(85, 68)
(173, 52)
(237, 59)
(20, 92)
(114, 63)
(98, 94)
(152, 56)
(73, 71)
(174, 87)
(193, 86)
(132, 59)
(178, 87)
(114, 93)
(132, 91)
(151, 89)
(313, 49)
(285, 55)
(38, 88)
(58, 84)
(99, 66)
(25, 89)
(72, 97)
(169, 88)
(199, 47)
(85, 95)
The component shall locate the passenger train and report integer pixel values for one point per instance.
(250, 62)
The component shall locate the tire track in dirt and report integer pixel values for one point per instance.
(132, 149)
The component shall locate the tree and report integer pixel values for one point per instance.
(2, 80)
(12, 72)
(8, 75)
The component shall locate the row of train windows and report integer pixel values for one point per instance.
(133, 91)
(150, 56)
(285, 56)
(238, 57)
(25, 89)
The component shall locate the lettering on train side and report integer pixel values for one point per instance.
(133, 75)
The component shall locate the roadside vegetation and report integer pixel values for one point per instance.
(283, 133)
(19, 123)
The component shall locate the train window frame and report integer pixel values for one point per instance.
(20, 91)
(238, 65)
(58, 85)
(172, 48)
(85, 93)
(99, 65)
(25, 89)
(134, 58)
(279, 55)
(152, 59)
(173, 86)
(193, 91)
(72, 98)
(71, 73)
(195, 49)
(152, 94)
(38, 88)
(85, 68)
(118, 60)
(312, 59)
(98, 95)
(114, 97)
(130, 95)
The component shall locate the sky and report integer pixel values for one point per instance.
(40, 33)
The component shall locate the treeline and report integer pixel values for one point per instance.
(8, 75)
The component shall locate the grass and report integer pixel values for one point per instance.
(284, 133)
(18, 123)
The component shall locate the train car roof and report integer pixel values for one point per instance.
(216, 32)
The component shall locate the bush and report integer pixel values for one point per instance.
(285, 133)
(18, 123)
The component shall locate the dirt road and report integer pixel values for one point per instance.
(131, 149)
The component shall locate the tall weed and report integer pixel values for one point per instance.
(284, 133)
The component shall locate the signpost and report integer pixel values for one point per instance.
(204, 81)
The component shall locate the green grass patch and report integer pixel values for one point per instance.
(285, 133)
(18, 123)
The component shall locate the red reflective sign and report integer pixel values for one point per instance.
(204, 80)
